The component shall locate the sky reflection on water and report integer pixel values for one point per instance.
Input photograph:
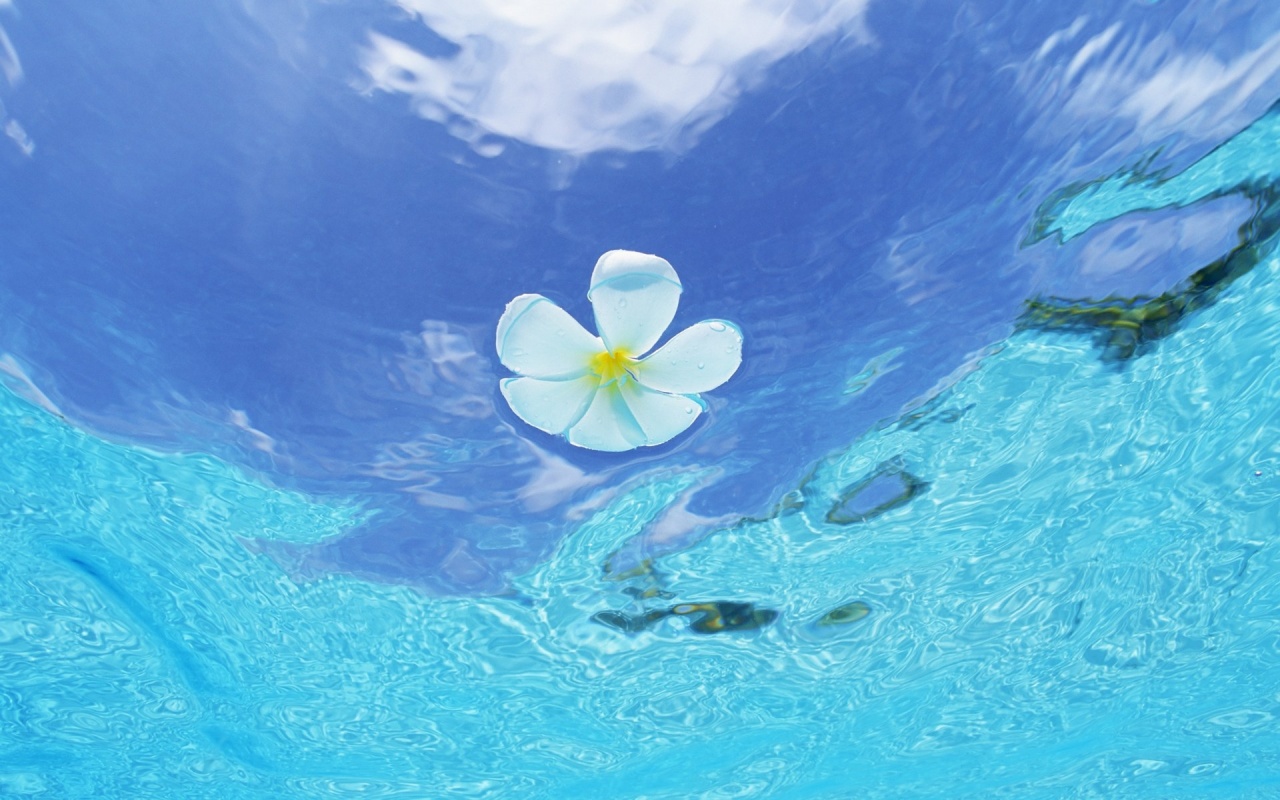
(239, 234)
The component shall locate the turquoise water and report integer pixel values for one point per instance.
(1067, 567)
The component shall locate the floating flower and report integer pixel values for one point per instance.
(602, 392)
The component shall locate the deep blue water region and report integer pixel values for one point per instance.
(1079, 602)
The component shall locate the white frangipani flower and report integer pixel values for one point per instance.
(602, 392)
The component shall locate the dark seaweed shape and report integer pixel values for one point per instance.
(1126, 327)
(712, 617)
(845, 614)
(717, 617)
(890, 486)
(647, 582)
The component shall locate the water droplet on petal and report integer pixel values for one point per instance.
(701, 365)
(717, 326)
(622, 302)
(688, 410)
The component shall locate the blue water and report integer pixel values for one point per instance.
(270, 530)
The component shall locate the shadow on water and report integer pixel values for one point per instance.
(129, 592)
(195, 660)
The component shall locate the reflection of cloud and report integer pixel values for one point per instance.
(442, 363)
(926, 263)
(258, 440)
(19, 136)
(553, 481)
(451, 461)
(285, 21)
(16, 379)
(1184, 87)
(1133, 245)
(587, 75)
(10, 66)
(1162, 84)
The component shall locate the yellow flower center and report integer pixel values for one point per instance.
(612, 365)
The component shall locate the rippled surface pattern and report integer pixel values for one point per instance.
(1079, 600)
(989, 509)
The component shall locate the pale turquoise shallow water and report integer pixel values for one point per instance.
(1081, 601)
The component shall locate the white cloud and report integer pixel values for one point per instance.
(257, 439)
(11, 69)
(581, 76)
(1058, 37)
(10, 66)
(1161, 84)
(18, 134)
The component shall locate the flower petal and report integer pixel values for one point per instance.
(551, 406)
(697, 359)
(634, 296)
(608, 424)
(539, 339)
(661, 416)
